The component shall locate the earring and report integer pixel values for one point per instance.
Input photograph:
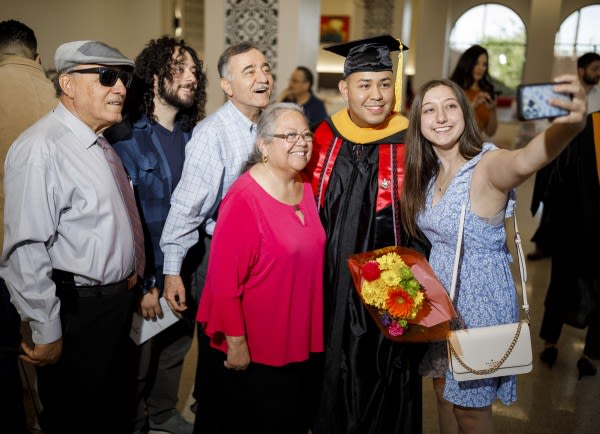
(265, 158)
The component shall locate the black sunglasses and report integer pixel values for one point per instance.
(108, 77)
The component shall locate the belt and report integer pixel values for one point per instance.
(64, 281)
(109, 289)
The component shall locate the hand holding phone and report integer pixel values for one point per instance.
(533, 101)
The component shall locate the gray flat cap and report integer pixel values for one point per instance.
(72, 54)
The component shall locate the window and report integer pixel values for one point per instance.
(502, 32)
(578, 33)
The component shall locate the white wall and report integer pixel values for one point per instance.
(298, 38)
(125, 24)
(214, 44)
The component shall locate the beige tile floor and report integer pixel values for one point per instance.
(549, 400)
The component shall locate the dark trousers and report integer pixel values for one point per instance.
(551, 328)
(198, 281)
(266, 399)
(12, 411)
(161, 364)
(92, 387)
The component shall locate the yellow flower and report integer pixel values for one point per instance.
(374, 293)
(390, 261)
(395, 293)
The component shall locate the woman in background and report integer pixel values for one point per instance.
(472, 75)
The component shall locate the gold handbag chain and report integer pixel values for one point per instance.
(497, 364)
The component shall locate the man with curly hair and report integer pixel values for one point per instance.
(167, 101)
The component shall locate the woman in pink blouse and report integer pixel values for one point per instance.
(262, 305)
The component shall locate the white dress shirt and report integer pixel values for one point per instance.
(62, 210)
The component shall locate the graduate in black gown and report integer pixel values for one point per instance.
(370, 385)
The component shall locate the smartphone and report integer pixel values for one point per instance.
(532, 101)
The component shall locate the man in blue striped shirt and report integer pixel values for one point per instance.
(215, 156)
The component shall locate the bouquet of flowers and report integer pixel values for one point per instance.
(402, 294)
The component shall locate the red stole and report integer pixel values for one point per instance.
(391, 162)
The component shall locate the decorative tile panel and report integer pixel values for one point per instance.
(254, 21)
(378, 18)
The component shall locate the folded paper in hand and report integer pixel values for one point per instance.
(143, 329)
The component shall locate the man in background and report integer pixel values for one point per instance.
(300, 91)
(73, 246)
(588, 70)
(26, 95)
(173, 98)
(215, 156)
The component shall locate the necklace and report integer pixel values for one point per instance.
(442, 185)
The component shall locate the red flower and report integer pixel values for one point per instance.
(371, 271)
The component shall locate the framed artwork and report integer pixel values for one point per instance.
(335, 28)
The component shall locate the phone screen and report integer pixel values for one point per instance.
(532, 101)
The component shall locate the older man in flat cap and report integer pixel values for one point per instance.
(71, 246)
(370, 384)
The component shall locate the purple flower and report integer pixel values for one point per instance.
(386, 319)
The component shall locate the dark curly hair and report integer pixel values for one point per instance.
(156, 59)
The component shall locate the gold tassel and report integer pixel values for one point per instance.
(398, 84)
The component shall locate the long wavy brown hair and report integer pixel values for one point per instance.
(420, 163)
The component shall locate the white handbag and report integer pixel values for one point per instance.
(494, 351)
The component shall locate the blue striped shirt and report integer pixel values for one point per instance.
(214, 157)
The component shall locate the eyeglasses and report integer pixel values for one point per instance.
(293, 137)
(108, 76)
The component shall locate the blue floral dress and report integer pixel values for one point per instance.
(485, 290)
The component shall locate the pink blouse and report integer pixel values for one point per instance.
(265, 275)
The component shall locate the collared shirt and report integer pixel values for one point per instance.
(148, 160)
(63, 210)
(214, 157)
(25, 96)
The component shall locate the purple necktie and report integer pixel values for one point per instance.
(116, 166)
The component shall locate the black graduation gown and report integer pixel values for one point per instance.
(370, 385)
(574, 188)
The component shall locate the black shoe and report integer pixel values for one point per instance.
(586, 368)
(549, 355)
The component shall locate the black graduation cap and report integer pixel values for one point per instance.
(369, 54)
